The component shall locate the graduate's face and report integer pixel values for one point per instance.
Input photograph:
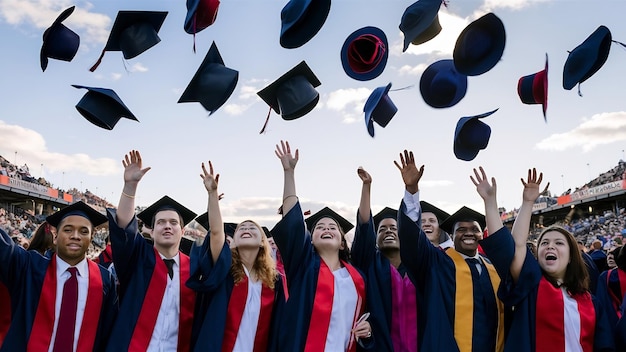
(466, 237)
(167, 230)
(430, 226)
(73, 237)
(326, 235)
(610, 260)
(387, 238)
(553, 254)
(248, 235)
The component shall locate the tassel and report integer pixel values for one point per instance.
(403, 88)
(307, 212)
(620, 43)
(95, 66)
(194, 33)
(267, 119)
(579, 93)
(445, 3)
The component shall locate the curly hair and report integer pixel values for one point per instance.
(264, 264)
(576, 278)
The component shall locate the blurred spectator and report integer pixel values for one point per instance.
(598, 255)
(43, 239)
(611, 256)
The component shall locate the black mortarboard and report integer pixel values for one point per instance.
(59, 42)
(203, 220)
(133, 33)
(429, 208)
(229, 228)
(79, 208)
(102, 107)
(463, 214)
(384, 214)
(268, 234)
(326, 212)
(166, 203)
(185, 245)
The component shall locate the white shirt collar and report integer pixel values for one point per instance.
(82, 266)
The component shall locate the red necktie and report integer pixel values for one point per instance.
(64, 340)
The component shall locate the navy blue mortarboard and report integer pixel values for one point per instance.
(364, 53)
(59, 42)
(326, 212)
(480, 45)
(420, 22)
(79, 208)
(200, 15)
(379, 108)
(429, 208)
(212, 84)
(384, 214)
(292, 95)
(166, 203)
(102, 107)
(533, 89)
(301, 20)
(133, 33)
(463, 214)
(587, 58)
(441, 85)
(470, 136)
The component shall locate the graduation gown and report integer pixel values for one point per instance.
(610, 292)
(377, 268)
(142, 281)
(447, 290)
(522, 295)
(5, 311)
(25, 273)
(302, 269)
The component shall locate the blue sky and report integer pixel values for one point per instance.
(583, 137)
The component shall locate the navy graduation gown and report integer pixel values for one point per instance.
(23, 273)
(523, 297)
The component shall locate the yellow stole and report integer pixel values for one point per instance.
(464, 303)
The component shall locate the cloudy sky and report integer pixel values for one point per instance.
(39, 125)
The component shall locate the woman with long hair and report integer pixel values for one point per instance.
(235, 285)
(43, 239)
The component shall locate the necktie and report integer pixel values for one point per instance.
(169, 263)
(472, 262)
(64, 339)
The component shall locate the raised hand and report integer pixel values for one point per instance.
(283, 152)
(132, 167)
(209, 178)
(411, 175)
(531, 185)
(364, 175)
(483, 187)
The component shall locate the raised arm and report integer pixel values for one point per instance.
(365, 204)
(411, 175)
(216, 224)
(283, 152)
(488, 193)
(133, 173)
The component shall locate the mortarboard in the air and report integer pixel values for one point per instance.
(441, 85)
(326, 212)
(59, 42)
(380, 108)
(364, 53)
(533, 89)
(587, 58)
(133, 33)
(480, 45)
(102, 107)
(420, 22)
(79, 208)
(166, 203)
(429, 208)
(387, 212)
(301, 20)
(293, 94)
(212, 84)
(463, 214)
(471, 136)
(200, 15)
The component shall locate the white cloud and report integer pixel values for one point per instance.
(412, 70)
(116, 76)
(348, 102)
(443, 44)
(510, 4)
(138, 67)
(31, 146)
(604, 128)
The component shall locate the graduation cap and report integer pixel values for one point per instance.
(441, 85)
(292, 95)
(326, 212)
(59, 42)
(429, 208)
(463, 214)
(379, 108)
(587, 58)
(185, 245)
(480, 45)
(133, 33)
(102, 107)
(212, 84)
(420, 22)
(267, 232)
(384, 214)
(533, 89)
(166, 203)
(471, 136)
(79, 208)
(364, 53)
(229, 227)
(301, 20)
(200, 15)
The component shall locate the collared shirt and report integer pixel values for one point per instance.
(250, 319)
(165, 333)
(63, 275)
(342, 315)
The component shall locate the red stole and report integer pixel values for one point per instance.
(5, 312)
(550, 327)
(152, 303)
(234, 315)
(323, 305)
(41, 333)
(615, 299)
